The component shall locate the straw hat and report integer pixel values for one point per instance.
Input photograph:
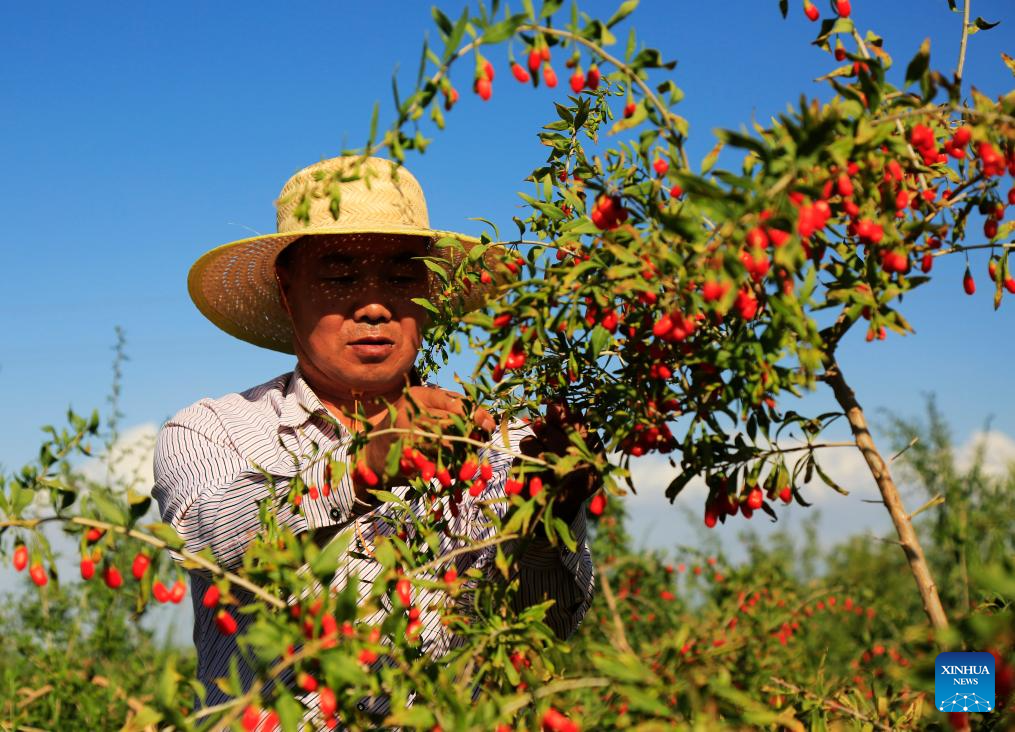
(234, 285)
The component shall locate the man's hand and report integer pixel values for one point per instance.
(551, 436)
(434, 409)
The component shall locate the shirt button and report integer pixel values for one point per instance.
(336, 514)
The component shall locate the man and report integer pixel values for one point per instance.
(339, 295)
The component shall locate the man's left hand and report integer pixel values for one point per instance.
(552, 436)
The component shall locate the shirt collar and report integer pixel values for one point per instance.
(299, 402)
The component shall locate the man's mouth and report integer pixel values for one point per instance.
(372, 341)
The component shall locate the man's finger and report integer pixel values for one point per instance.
(484, 420)
(435, 397)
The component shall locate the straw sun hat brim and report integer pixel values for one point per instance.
(234, 284)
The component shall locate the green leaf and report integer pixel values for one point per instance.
(625, 667)
(600, 338)
(650, 58)
(626, 8)
(389, 497)
(737, 139)
(426, 305)
(324, 564)
(519, 517)
(828, 481)
(373, 124)
(166, 533)
(711, 158)
(109, 509)
(290, 713)
(831, 27)
(640, 699)
(455, 37)
(415, 717)
(548, 209)
(391, 464)
(550, 7)
(980, 24)
(139, 508)
(678, 484)
(1008, 61)
(920, 63)
(500, 32)
(626, 123)
(565, 533)
(443, 22)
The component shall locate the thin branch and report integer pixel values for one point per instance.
(555, 688)
(452, 438)
(155, 542)
(911, 443)
(962, 44)
(499, 539)
(931, 108)
(963, 248)
(621, 637)
(935, 501)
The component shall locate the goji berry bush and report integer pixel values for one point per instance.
(673, 307)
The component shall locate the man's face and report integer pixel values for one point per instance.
(356, 326)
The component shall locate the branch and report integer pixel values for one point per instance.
(931, 108)
(555, 688)
(963, 248)
(618, 625)
(443, 558)
(159, 544)
(962, 44)
(918, 566)
(834, 333)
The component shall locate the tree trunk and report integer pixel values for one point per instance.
(890, 495)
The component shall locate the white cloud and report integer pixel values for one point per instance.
(654, 521)
(652, 474)
(998, 454)
(129, 462)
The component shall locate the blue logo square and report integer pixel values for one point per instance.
(964, 681)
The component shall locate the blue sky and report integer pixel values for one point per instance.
(135, 136)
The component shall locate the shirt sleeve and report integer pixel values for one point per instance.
(545, 572)
(208, 492)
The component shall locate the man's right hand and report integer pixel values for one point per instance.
(434, 410)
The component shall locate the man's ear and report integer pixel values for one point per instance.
(283, 269)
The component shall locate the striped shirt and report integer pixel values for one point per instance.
(208, 468)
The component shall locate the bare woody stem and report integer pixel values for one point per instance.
(962, 44)
(889, 494)
(620, 637)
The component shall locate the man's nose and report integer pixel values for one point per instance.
(372, 313)
(372, 303)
